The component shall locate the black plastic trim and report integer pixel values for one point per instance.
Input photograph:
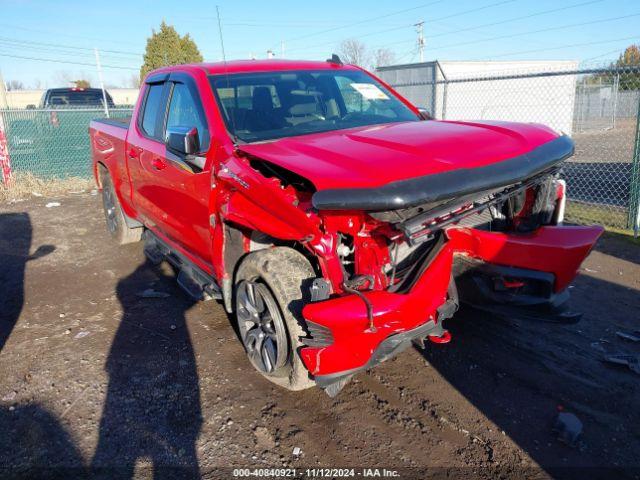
(447, 185)
(157, 78)
(388, 348)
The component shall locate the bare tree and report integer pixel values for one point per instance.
(353, 51)
(133, 81)
(63, 78)
(383, 57)
(15, 85)
(38, 84)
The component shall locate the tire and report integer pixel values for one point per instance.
(113, 214)
(277, 276)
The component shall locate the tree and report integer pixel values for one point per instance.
(167, 47)
(15, 85)
(630, 61)
(354, 52)
(383, 57)
(628, 74)
(631, 56)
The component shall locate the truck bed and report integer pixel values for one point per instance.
(108, 143)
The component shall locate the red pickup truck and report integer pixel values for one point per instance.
(335, 220)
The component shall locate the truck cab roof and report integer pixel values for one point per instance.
(243, 66)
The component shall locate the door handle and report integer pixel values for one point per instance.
(134, 152)
(158, 164)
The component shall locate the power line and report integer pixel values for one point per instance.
(592, 22)
(56, 51)
(617, 50)
(501, 22)
(564, 46)
(513, 19)
(49, 32)
(364, 21)
(65, 61)
(464, 12)
(473, 10)
(70, 47)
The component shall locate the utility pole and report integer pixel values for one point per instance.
(420, 29)
(104, 93)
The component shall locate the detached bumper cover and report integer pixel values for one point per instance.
(447, 185)
(558, 251)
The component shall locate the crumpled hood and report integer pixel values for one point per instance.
(377, 155)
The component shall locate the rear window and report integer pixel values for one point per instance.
(78, 98)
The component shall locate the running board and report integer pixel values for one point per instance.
(198, 284)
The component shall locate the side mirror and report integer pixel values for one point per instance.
(424, 114)
(184, 140)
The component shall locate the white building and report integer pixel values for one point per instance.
(523, 91)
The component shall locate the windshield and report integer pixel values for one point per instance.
(266, 106)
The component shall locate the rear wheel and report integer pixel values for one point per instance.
(269, 296)
(113, 214)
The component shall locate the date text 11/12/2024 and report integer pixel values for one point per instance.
(316, 473)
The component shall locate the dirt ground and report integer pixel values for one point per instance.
(97, 381)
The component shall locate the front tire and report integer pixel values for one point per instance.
(113, 214)
(269, 295)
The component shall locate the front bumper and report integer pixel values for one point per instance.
(557, 251)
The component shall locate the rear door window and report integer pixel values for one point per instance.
(152, 107)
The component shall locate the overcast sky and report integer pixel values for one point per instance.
(55, 39)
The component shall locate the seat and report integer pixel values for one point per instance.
(263, 115)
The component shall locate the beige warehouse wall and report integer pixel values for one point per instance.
(22, 98)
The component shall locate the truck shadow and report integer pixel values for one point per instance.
(15, 245)
(152, 413)
(518, 372)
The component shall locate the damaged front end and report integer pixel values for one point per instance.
(398, 260)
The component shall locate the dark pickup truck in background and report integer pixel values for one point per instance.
(75, 97)
(334, 220)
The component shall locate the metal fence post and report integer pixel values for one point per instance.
(634, 187)
(616, 89)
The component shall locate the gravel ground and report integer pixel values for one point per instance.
(97, 381)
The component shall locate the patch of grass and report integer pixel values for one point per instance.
(612, 218)
(25, 185)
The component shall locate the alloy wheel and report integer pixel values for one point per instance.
(261, 326)
(110, 209)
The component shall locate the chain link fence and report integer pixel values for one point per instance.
(48, 143)
(599, 108)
